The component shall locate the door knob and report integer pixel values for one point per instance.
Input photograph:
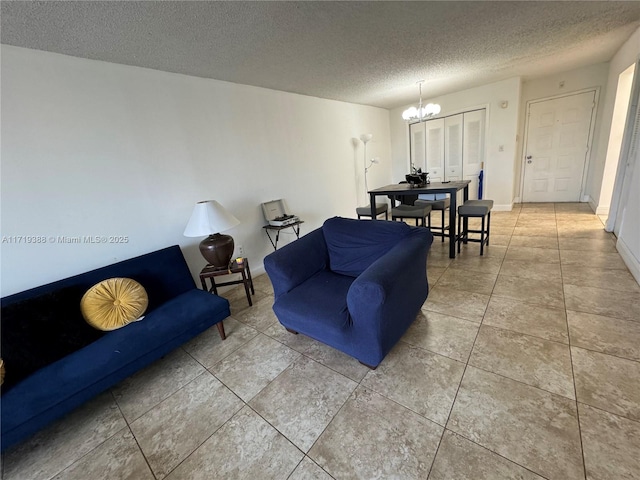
(529, 157)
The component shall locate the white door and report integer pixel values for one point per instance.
(434, 133)
(557, 146)
(473, 149)
(418, 145)
(453, 148)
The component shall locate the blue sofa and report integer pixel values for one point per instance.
(355, 285)
(55, 361)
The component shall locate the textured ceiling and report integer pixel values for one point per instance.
(363, 52)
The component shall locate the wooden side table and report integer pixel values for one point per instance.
(242, 267)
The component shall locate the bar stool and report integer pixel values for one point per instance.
(419, 212)
(380, 209)
(474, 209)
(440, 204)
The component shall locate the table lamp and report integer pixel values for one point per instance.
(210, 218)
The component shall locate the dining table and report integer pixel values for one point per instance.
(404, 189)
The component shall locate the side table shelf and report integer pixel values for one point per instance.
(211, 272)
(274, 241)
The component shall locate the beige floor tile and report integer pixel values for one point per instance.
(607, 382)
(587, 244)
(572, 207)
(172, 430)
(460, 459)
(321, 353)
(373, 437)
(309, 470)
(434, 274)
(438, 258)
(534, 242)
(611, 445)
(465, 305)
(531, 360)
(531, 269)
(503, 221)
(208, 348)
(535, 320)
(506, 231)
(263, 283)
(119, 457)
(143, 390)
(58, 446)
(260, 316)
(613, 336)
(250, 368)
(458, 279)
(592, 259)
(245, 447)
(547, 293)
(238, 298)
(301, 402)
(596, 234)
(531, 427)
(533, 231)
(443, 334)
(499, 240)
(476, 263)
(419, 380)
(472, 250)
(532, 254)
(600, 301)
(599, 278)
(537, 221)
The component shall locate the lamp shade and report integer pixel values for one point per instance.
(209, 217)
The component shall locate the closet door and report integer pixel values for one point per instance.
(453, 148)
(473, 148)
(434, 133)
(418, 146)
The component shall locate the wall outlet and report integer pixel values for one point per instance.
(240, 250)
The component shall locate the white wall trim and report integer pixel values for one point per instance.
(629, 259)
(502, 208)
(592, 203)
(517, 200)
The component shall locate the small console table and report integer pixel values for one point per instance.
(275, 228)
(242, 267)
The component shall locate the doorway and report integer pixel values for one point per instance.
(557, 145)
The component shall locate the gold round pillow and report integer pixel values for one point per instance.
(113, 303)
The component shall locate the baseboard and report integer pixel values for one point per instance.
(586, 198)
(516, 200)
(629, 259)
(502, 208)
(602, 210)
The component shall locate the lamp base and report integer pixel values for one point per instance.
(217, 250)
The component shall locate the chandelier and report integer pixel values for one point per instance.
(421, 113)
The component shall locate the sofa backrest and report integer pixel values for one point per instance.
(164, 274)
(354, 245)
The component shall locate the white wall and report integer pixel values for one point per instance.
(593, 76)
(93, 148)
(501, 130)
(625, 57)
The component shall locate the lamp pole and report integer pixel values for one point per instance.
(365, 137)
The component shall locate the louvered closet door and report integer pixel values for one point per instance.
(418, 145)
(453, 148)
(434, 132)
(473, 148)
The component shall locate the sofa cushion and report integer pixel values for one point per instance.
(113, 303)
(41, 331)
(353, 245)
(322, 313)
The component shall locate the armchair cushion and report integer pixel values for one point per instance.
(354, 245)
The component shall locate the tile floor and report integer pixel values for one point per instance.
(522, 364)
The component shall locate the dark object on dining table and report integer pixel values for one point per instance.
(416, 179)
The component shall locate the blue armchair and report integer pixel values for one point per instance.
(355, 285)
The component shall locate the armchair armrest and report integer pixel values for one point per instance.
(294, 263)
(386, 297)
